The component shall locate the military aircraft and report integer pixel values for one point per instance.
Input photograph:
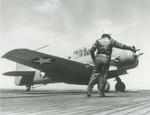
(75, 70)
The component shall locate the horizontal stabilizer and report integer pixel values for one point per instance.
(19, 73)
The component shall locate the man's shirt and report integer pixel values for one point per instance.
(105, 45)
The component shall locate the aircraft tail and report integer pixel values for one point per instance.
(26, 75)
(23, 75)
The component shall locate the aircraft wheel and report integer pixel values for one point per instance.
(28, 88)
(120, 86)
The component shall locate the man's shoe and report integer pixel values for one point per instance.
(89, 92)
(102, 94)
(88, 95)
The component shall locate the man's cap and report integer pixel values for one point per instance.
(106, 35)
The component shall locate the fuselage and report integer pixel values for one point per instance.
(122, 58)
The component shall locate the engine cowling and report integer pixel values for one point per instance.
(127, 59)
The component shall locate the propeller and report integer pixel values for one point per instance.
(139, 53)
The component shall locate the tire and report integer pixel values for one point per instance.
(120, 86)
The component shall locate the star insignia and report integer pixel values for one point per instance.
(43, 60)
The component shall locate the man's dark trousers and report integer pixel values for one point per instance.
(99, 74)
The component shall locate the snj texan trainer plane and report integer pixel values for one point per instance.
(34, 67)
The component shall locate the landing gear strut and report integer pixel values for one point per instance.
(28, 88)
(120, 86)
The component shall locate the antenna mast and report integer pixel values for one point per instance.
(41, 47)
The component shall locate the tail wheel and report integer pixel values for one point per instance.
(28, 88)
(120, 86)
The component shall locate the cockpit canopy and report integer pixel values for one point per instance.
(81, 52)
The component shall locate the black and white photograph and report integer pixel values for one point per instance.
(74, 57)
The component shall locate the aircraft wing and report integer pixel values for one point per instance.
(47, 63)
(37, 60)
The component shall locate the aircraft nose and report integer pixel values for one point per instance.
(137, 54)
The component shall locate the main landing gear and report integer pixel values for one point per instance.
(120, 86)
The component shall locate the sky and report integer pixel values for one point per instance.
(66, 25)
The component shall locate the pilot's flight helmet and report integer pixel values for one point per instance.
(106, 35)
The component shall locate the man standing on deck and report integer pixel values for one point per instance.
(104, 47)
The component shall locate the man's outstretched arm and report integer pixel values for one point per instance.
(122, 46)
